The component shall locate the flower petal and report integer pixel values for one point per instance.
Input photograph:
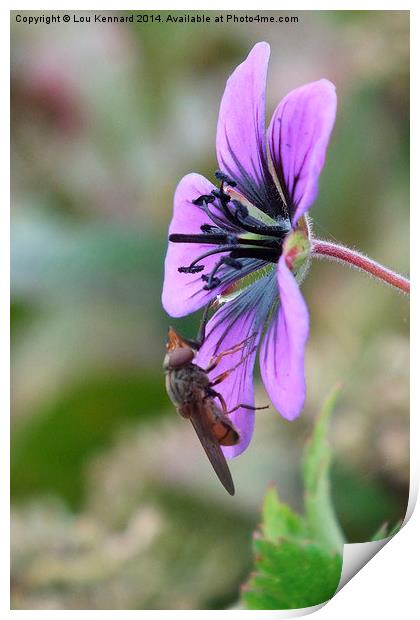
(183, 292)
(283, 348)
(227, 328)
(298, 137)
(240, 141)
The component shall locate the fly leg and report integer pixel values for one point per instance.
(203, 324)
(214, 361)
(210, 393)
(250, 407)
(198, 342)
(224, 375)
(213, 394)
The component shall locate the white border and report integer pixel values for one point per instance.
(387, 586)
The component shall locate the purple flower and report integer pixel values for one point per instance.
(244, 243)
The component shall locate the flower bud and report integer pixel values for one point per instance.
(296, 250)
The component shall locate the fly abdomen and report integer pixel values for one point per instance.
(229, 436)
(222, 429)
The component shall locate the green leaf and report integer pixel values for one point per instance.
(321, 519)
(298, 558)
(279, 520)
(291, 575)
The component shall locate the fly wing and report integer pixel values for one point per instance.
(213, 450)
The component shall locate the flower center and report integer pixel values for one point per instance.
(238, 232)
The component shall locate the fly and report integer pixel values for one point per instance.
(192, 392)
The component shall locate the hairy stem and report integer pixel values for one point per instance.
(333, 251)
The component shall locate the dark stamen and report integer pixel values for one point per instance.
(242, 219)
(212, 281)
(221, 195)
(251, 224)
(233, 219)
(232, 262)
(274, 244)
(213, 238)
(191, 269)
(224, 200)
(240, 209)
(204, 199)
(223, 224)
(208, 228)
(221, 176)
(268, 255)
(222, 248)
(223, 239)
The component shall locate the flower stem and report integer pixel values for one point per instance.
(333, 251)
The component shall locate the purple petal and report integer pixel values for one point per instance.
(283, 348)
(240, 141)
(298, 137)
(183, 292)
(225, 330)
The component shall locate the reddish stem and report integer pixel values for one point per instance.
(355, 259)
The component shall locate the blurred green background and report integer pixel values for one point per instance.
(114, 505)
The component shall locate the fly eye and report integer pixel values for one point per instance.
(180, 357)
